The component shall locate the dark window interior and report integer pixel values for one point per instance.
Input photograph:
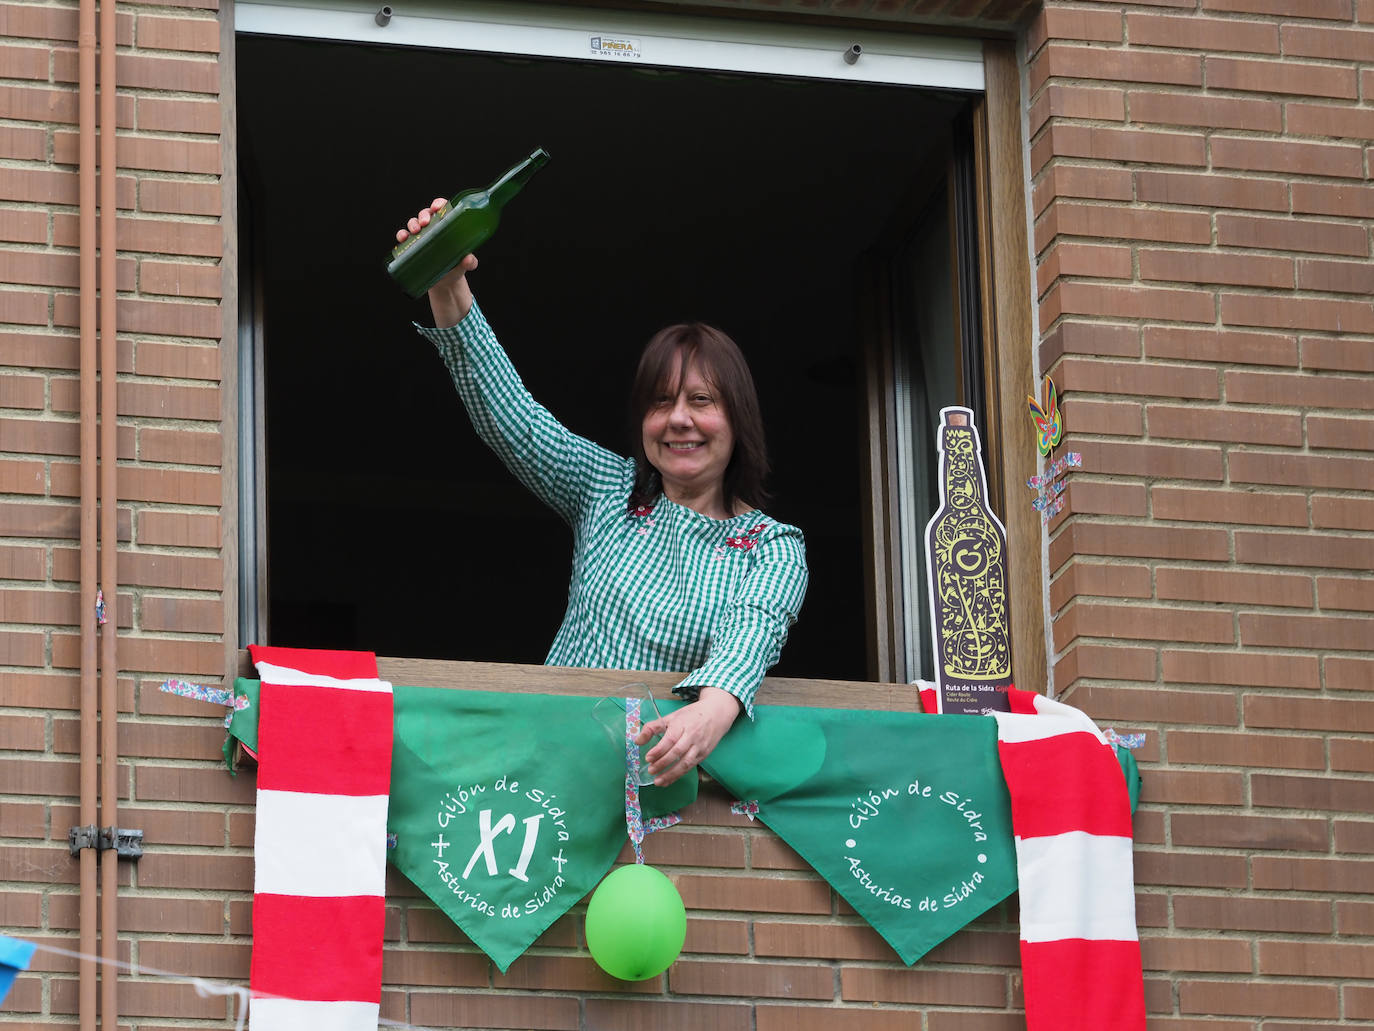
(743, 201)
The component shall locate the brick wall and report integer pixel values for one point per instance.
(1202, 213)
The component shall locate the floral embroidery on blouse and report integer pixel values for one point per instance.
(645, 512)
(746, 540)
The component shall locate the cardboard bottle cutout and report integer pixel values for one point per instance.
(966, 553)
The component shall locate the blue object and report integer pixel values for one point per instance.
(14, 957)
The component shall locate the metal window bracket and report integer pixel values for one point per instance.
(126, 842)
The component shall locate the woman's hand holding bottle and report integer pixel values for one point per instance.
(450, 299)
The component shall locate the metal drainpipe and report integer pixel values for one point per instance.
(86, 47)
(109, 522)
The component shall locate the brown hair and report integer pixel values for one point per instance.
(664, 363)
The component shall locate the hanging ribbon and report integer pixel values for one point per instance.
(635, 823)
(214, 695)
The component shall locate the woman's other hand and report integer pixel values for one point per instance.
(690, 734)
(450, 299)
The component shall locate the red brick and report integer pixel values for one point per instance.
(1210, 190)
(1085, 496)
(178, 529)
(1309, 713)
(1293, 792)
(1076, 259)
(149, 569)
(1337, 9)
(1280, 76)
(1115, 662)
(1339, 120)
(23, 563)
(1133, 145)
(1216, 267)
(1291, 234)
(199, 35)
(1226, 424)
(1248, 749)
(1322, 875)
(1211, 955)
(1344, 673)
(1211, 345)
(1240, 669)
(1252, 154)
(1208, 913)
(1227, 998)
(1342, 513)
(653, 1015)
(1329, 44)
(180, 280)
(1070, 297)
(1115, 221)
(173, 486)
(1129, 540)
(928, 987)
(1131, 378)
(1276, 388)
(175, 657)
(1355, 917)
(757, 980)
(154, 997)
(136, 72)
(149, 235)
(1139, 622)
(1071, 337)
(1351, 277)
(1076, 62)
(1220, 830)
(1345, 434)
(180, 447)
(20, 649)
(1072, 101)
(1189, 869)
(1300, 470)
(1349, 755)
(1347, 354)
(161, 114)
(1297, 313)
(1226, 586)
(1340, 199)
(179, 361)
(1090, 181)
(763, 895)
(1069, 23)
(545, 1013)
(1083, 579)
(1353, 836)
(1229, 506)
(179, 197)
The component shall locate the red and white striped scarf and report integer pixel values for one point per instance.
(324, 741)
(1071, 814)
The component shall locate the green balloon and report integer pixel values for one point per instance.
(636, 923)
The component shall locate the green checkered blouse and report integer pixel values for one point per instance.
(658, 588)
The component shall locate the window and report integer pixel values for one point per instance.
(816, 221)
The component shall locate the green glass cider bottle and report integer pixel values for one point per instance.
(461, 226)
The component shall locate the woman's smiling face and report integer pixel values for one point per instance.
(687, 436)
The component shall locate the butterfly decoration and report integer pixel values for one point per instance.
(1048, 419)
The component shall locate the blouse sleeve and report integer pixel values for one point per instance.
(748, 637)
(561, 468)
